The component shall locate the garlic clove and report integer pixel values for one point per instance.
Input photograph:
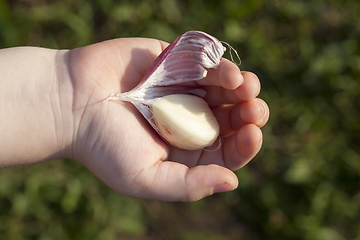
(185, 121)
(186, 59)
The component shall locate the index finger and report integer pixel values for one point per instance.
(226, 74)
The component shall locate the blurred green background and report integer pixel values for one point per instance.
(304, 183)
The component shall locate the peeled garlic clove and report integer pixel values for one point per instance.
(185, 121)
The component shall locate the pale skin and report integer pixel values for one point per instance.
(51, 107)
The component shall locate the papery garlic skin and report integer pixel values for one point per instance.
(185, 121)
(186, 59)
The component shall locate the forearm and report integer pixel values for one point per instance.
(31, 113)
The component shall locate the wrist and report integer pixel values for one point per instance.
(62, 104)
(32, 118)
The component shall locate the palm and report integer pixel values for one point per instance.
(116, 143)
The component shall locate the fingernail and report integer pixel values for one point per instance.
(262, 109)
(261, 140)
(224, 187)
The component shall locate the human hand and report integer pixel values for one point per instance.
(118, 145)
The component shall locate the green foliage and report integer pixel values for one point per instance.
(304, 184)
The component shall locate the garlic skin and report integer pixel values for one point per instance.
(186, 59)
(185, 121)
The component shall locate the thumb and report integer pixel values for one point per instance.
(170, 181)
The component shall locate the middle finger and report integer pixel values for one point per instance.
(248, 90)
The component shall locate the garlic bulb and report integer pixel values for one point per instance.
(185, 121)
(189, 125)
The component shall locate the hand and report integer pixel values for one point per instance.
(117, 144)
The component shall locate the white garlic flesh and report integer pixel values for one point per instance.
(185, 121)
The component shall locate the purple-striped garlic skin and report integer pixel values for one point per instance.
(184, 60)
